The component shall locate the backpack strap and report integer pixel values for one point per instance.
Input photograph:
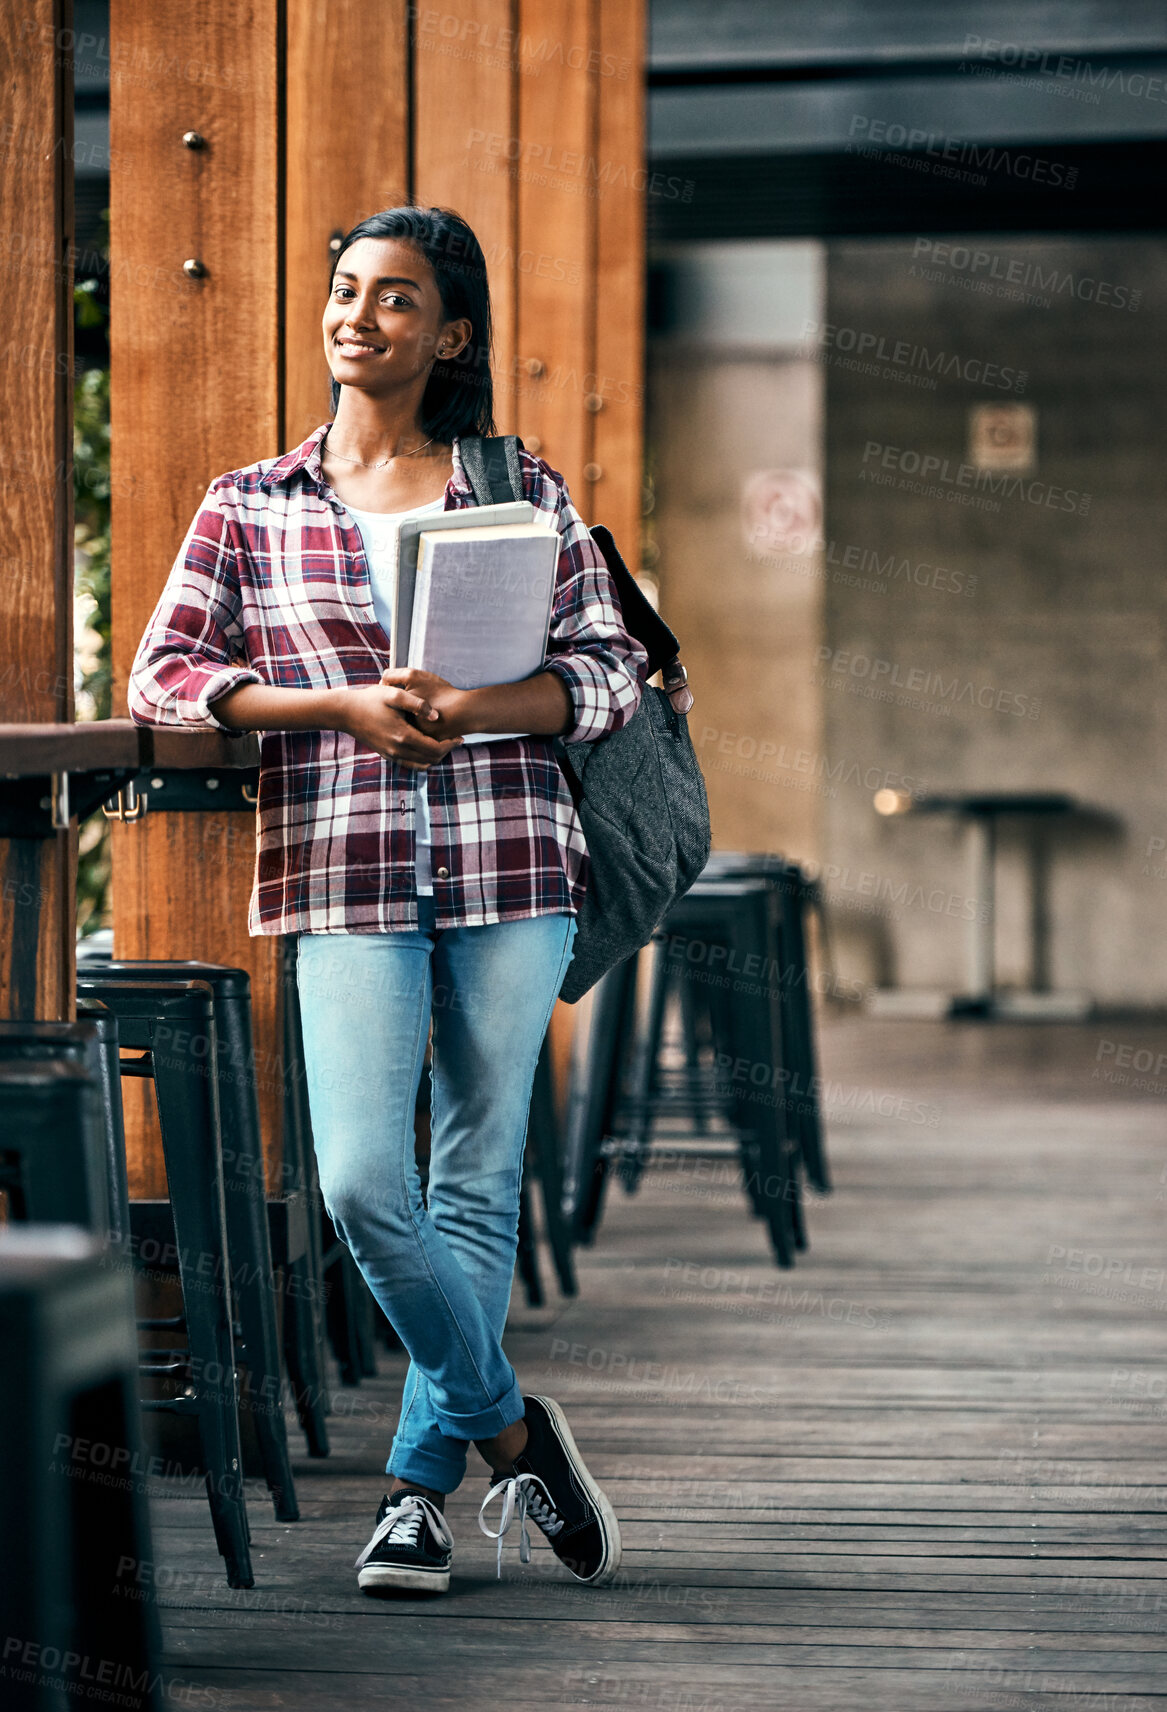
(643, 622)
(492, 465)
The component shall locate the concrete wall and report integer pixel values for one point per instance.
(733, 398)
(1019, 643)
(750, 632)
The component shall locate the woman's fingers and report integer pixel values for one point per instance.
(413, 758)
(412, 746)
(408, 701)
(412, 681)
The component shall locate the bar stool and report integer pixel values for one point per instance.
(52, 1158)
(619, 1089)
(53, 1169)
(798, 895)
(736, 921)
(73, 1514)
(172, 1024)
(248, 1236)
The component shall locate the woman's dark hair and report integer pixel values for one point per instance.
(459, 395)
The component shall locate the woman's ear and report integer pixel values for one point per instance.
(453, 339)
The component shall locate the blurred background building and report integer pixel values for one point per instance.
(902, 231)
(904, 432)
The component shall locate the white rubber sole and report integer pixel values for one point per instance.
(611, 1527)
(397, 1577)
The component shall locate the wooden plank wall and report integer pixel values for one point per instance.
(37, 876)
(526, 116)
(195, 391)
(347, 155)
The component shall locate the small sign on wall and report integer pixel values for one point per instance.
(1002, 437)
(782, 511)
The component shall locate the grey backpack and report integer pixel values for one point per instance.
(638, 792)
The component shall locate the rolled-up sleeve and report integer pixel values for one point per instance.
(604, 668)
(189, 654)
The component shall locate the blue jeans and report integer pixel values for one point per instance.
(442, 1271)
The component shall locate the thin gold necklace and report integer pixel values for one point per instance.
(380, 466)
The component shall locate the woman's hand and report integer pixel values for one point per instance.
(538, 706)
(396, 719)
(435, 696)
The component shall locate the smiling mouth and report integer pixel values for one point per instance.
(354, 347)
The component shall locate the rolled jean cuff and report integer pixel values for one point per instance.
(486, 1422)
(439, 1473)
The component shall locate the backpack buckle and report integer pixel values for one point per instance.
(676, 682)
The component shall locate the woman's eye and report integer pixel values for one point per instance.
(392, 298)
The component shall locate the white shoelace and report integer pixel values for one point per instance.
(402, 1523)
(526, 1495)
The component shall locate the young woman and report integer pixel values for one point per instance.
(429, 881)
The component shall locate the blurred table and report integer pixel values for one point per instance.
(982, 811)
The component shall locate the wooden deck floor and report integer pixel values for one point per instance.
(925, 1470)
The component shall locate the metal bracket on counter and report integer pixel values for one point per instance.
(198, 790)
(40, 804)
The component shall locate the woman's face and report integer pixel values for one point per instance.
(383, 323)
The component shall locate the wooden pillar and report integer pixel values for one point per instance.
(347, 156)
(464, 113)
(529, 121)
(195, 390)
(616, 405)
(37, 876)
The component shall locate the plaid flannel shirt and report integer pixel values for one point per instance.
(271, 585)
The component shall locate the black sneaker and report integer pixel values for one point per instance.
(552, 1485)
(410, 1549)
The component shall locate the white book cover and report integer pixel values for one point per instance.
(405, 570)
(482, 605)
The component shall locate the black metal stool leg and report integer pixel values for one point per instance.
(304, 1325)
(757, 1014)
(643, 1078)
(528, 1257)
(342, 1281)
(363, 1305)
(797, 1212)
(595, 1086)
(688, 999)
(188, 1111)
(300, 1351)
(543, 1143)
(813, 1148)
(250, 1246)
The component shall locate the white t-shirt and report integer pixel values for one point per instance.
(379, 531)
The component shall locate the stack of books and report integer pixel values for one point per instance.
(472, 596)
